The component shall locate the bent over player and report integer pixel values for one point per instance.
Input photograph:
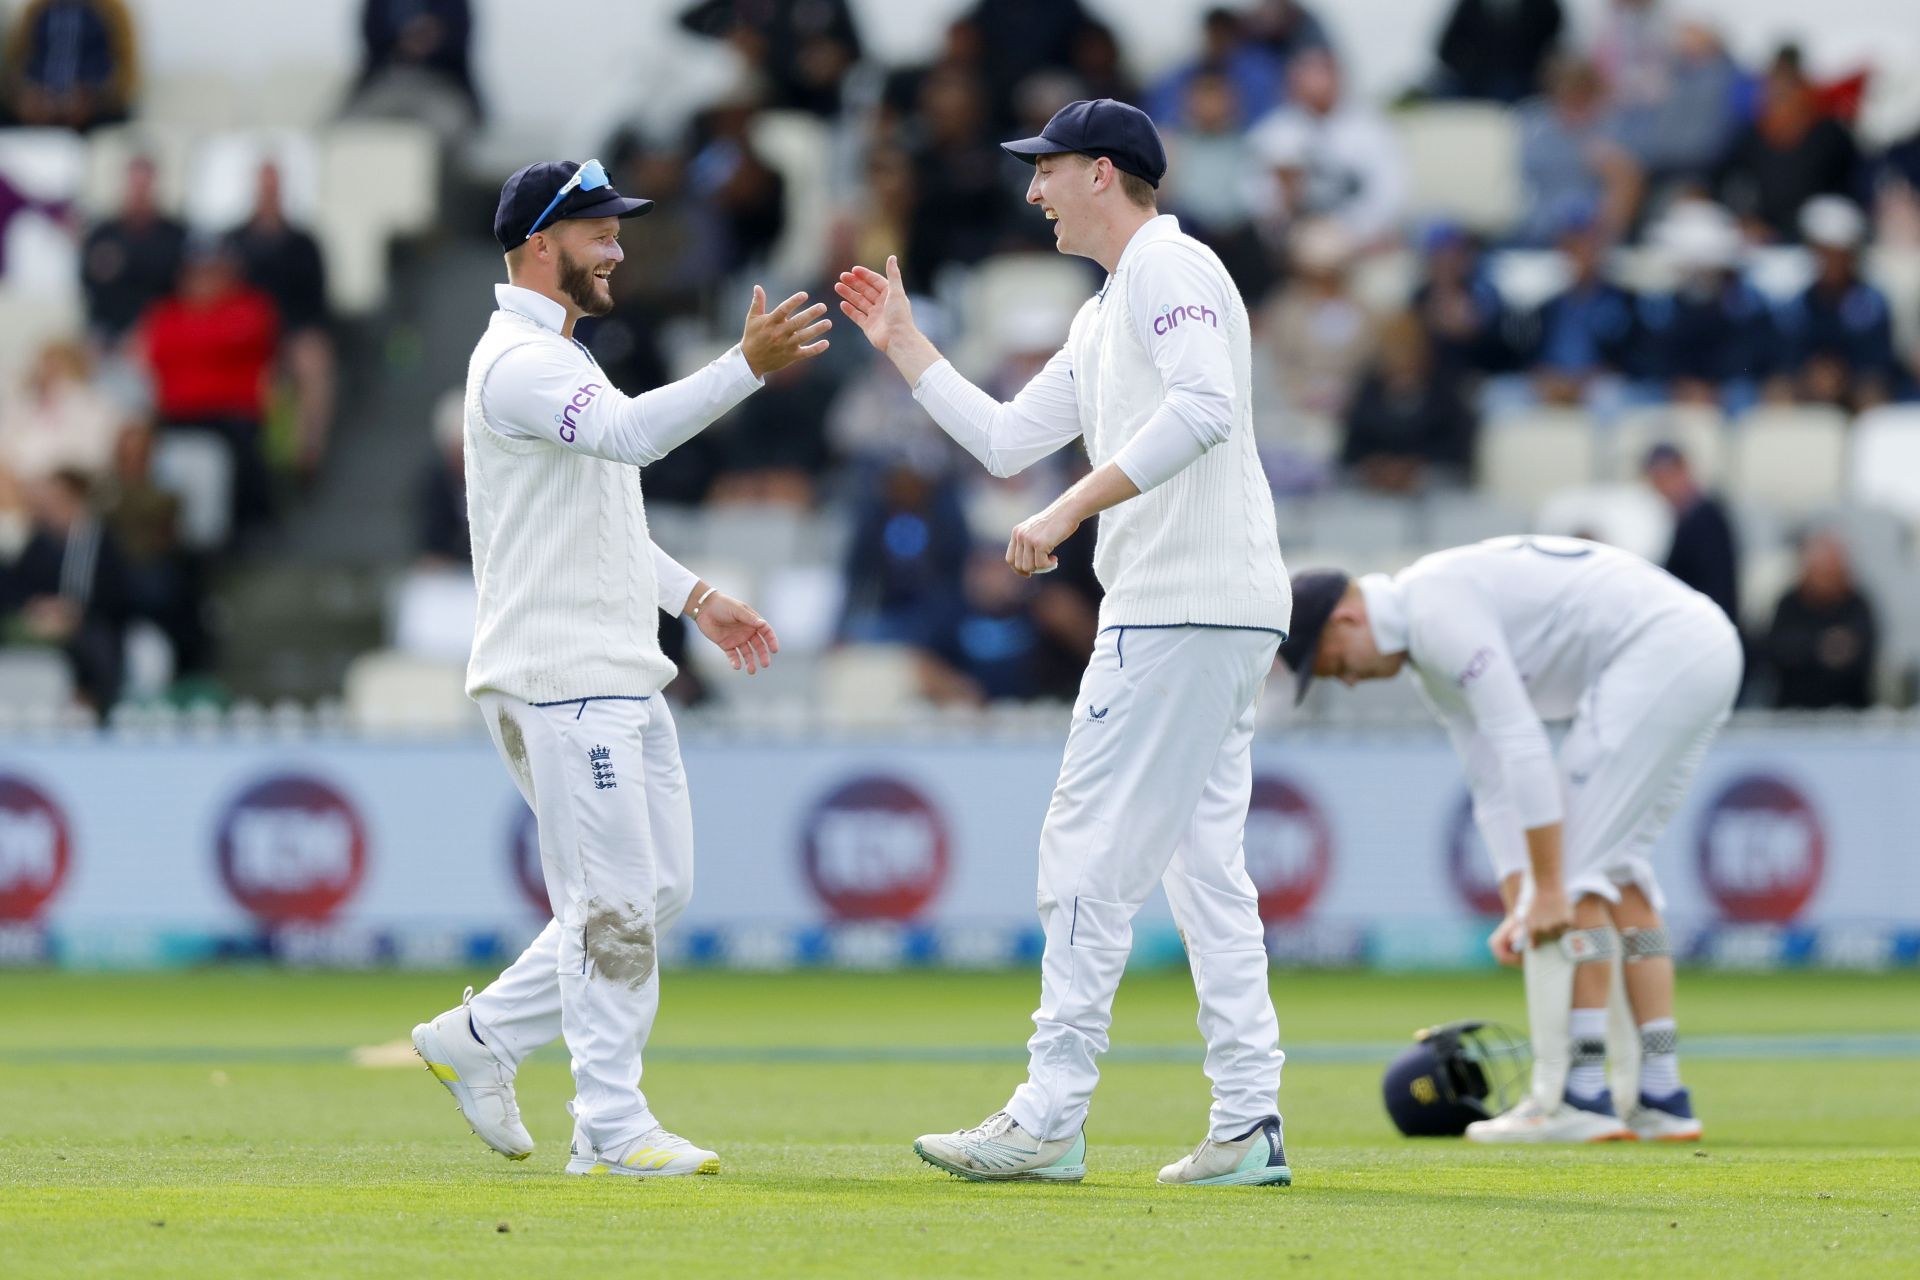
(567, 667)
(1502, 636)
(1157, 774)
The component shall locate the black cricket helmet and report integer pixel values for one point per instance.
(1453, 1075)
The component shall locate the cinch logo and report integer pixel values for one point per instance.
(523, 854)
(600, 760)
(1469, 866)
(1289, 848)
(1170, 317)
(875, 849)
(291, 850)
(569, 416)
(35, 850)
(1762, 850)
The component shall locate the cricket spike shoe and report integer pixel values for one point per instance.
(1573, 1120)
(999, 1150)
(654, 1154)
(1668, 1119)
(1257, 1158)
(480, 1083)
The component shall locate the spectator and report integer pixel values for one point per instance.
(132, 260)
(1838, 334)
(874, 422)
(744, 196)
(1820, 647)
(1683, 134)
(1333, 158)
(443, 537)
(802, 49)
(1495, 49)
(283, 261)
(962, 204)
(66, 588)
(1713, 340)
(1409, 422)
(1286, 29)
(772, 449)
(55, 419)
(71, 64)
(210, 349)
(1319, 335)
(905, 563)
(1787, 156)
(1027, 36)
(1255, 75)
(1573, 156)
(1214, 194)
(163, 583)
(1096, 62)
(1463, 313)
(1587, 333)
(416, 65)
(1703, 554)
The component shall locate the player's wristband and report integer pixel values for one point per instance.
(694, 612)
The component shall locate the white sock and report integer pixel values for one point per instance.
(1588, 1075)
(1659, 1058)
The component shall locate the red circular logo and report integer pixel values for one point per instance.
(1289, 848)
(875, 849)
(1469, 865)
(523, 852)
(292, 850)
(1761, 849)
(35, 850)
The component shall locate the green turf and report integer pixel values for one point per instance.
(209, 1125)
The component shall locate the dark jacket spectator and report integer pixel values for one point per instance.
(132, 260)
(962, 205)
(1254, 72)
(67, 588)
(1590, 329)
(1820, 647)
(1495, 49)
(906, 562)
(1703, 554)
(1409, 417)
(744, 195)
(1464, 314)
(1837, 336)
(428, 41)
(443, 535)
(163, 583)
(804, 48)
(1787, 156)
(71, 64)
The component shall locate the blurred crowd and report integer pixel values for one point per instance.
(1646, 132)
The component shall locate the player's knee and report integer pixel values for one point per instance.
(621, 942)
(676, 891)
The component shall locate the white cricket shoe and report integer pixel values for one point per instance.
(480, 1083)
(654, 1154)
(1564, 1122)
(1668, 1119)
(1257, 1158)
(999, 1150)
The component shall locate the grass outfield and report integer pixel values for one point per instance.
(211, 1125)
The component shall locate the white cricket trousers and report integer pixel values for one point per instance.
(604, 778)
(1154, 790)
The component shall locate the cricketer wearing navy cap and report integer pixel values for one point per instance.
(1315, 594)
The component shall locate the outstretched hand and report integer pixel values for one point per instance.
(743, 635)
(775, 339)
(876, 303)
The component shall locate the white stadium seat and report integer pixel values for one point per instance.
(387, 690)
(1629, 516)
(223, 175)
(34, 683)
(1886, 459)
(1527, 278)
(170, 147)
(1014, 294)
(1464, 161)
(28, 321)
(378, 180)
(866, 683)
(1698, 431)
(800, 147)
(196, 467)
(1895, 271)
(1790, 458)
(1526, 456)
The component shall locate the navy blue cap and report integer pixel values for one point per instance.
(1100, 127)
(1315, 593)
(526, 195)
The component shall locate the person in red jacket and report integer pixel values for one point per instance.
(210, 348)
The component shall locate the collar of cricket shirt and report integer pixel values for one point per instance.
(537, 307)
(1386, 612)
(1161, 227)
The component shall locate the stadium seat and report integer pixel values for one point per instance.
(1526, 456)
(1033, 285)
(48, 164)
(28, 320)
(378, 180)
(1644, 269)
(1384, 282)
(1895, 271)
(196, 467)
(195, 99)
(800, 147)
(34, 683)
(1780, 272)
(1886, 459)
(303, 96)
(223, 173)
(1455, 518)
(1793, 459)
(1464, 162)
(430, 614)
(388, 691)
(109, 150)
(1629, 516)
(1361, 522)
(1697, 430)
(868, 683)
(1527, 278)
(1765, 575)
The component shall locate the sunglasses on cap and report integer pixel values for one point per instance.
(590, 176)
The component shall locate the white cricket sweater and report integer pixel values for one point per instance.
(568, 577)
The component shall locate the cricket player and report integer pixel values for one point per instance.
(1502, 636)
(1157, 773)
(567, 666)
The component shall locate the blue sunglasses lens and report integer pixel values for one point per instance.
(593, 176)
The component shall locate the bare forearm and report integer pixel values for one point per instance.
(1543, 855)
(1107, 486)
(912, 354)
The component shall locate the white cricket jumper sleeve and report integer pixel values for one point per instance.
(1176, 300)
(543, 391)
(673, 582)
(1005, 438)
